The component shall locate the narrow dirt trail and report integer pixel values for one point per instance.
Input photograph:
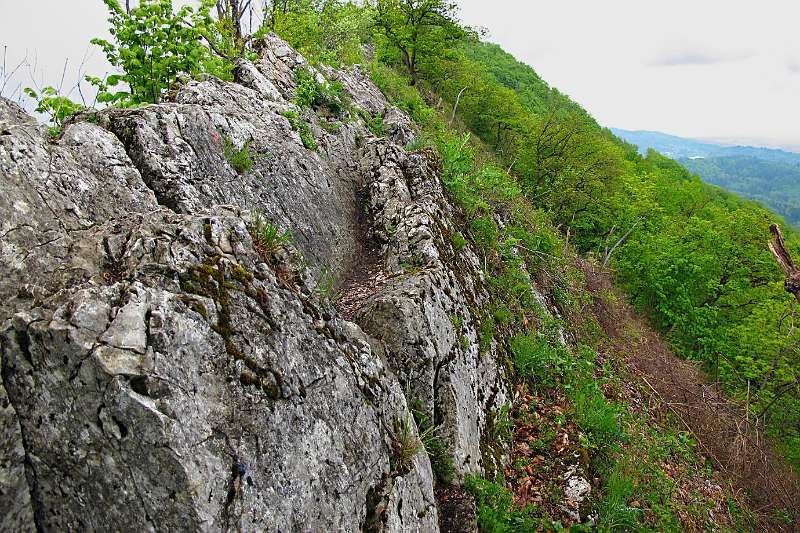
(367, 274)
(724, 432)
(365, 279)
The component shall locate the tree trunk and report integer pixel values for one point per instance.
(778, 248)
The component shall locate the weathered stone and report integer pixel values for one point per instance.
(158, 373)
(415, 315)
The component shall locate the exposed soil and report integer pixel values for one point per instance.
(365, 279)
(456, 509)
(724, 432)
(368, 273)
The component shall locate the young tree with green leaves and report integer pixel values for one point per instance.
(154, 45)
(417, 28)
(57, 107)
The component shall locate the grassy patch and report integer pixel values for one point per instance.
(405, 445)
(240, 159)
(267, 236)
(434, 445)
(302, 128)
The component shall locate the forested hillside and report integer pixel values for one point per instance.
(768, 176)
(554, 206)
(695, 259)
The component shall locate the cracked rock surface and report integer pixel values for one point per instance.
(162, 372)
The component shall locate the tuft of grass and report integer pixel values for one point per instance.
(330, 127)
(432, 442)
(405, 445)
(326, 288)
(239, 158)
(267, 237)
(539, 361)
(613, 511)
(417, 143)
(597, 418)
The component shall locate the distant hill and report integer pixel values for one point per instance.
(769, 176)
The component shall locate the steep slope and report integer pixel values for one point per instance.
(165, 369)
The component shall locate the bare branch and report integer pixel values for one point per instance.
(778, 248)
(455, 106)
(620, 241)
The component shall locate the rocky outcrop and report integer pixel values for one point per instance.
(428, 314)
(161, 370)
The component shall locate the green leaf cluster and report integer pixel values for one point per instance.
(153, 46)
(57, 107)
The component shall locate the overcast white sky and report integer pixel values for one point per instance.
(695, 68)
(701, 68)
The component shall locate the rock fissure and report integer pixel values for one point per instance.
(164, 310)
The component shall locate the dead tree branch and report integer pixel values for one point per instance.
(778, 248)
(620, 241)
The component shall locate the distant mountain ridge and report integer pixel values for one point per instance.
(767, 175)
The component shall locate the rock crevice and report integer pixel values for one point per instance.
(163, 370)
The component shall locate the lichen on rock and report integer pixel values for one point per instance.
(158, 371)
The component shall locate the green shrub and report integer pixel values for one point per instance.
(405, 97)
(57, 107)
(540, 362)
(153, 46)
(484, 231)
(598, 419)
(459, 242)
(312, 94)
(301, 126)
(374, 123)
(239, 158)
(332, 35)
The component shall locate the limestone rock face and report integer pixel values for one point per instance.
(432, 304)
(163, 371)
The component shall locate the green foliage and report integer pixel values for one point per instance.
(239, 158)
(397, 90)
(613, 512)
(374, 123)
(57, 107)
(405, 445)
(435, 446)
(301, 126)
(693, 257)
(312, 94)
(267, 236)
(459, 242)
(540, 361)
(332, 32)
(766, 175)
(484, 231)
(417, 29)
(496, 512)
(154, 45)
(772, 183)
(326, 287)
(598, 419)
